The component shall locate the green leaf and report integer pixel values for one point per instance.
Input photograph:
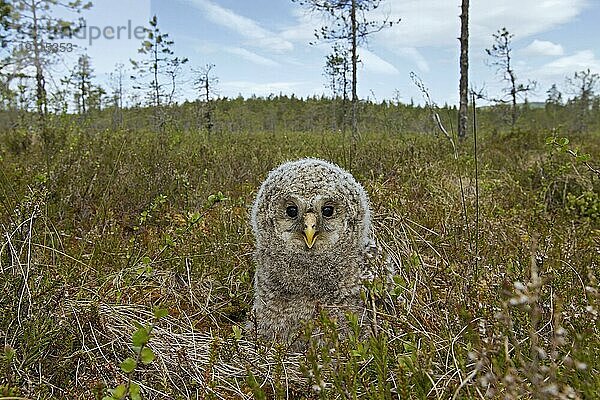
(119, 392)
(134, 392)
(216, 198)
(160, 312)
(146, 260)
(140, 337)
(237, 332)
(257, 391)
(356, 353)
(584, 157)
(128, 365)
(169, 241)
(194, 217)
(147, 356)
(9, 353)
(221, 196)
(138, 325)
(41, 178)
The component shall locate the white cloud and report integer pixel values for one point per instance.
(101, 15)
(543, 48)
(436, 22)
(568, 65)
(304, 29)
(244, 26)
(252, 57)
(413, 54)
(373, 63)
(523, 17)
(202, 46)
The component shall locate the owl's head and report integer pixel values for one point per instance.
(311, 206)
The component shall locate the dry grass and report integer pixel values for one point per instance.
(81, 265)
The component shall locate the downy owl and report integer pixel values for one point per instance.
(311, 220)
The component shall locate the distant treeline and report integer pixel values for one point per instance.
(314, 114)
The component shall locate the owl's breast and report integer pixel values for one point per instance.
(315, 277)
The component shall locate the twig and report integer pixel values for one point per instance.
(436, 117)
(587, 164)
(475, 155)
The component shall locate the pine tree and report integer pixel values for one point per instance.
(205, 83)
(37, 27)
(82, 81)
(157, 47)
(554, 96)
(337, 69)
(351, 27)
(157, 71)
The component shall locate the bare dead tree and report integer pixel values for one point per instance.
(582, 85)
(116, 86)
(464, 70)
(501, 58)
(205, 82)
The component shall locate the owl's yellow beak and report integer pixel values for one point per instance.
(310, 229)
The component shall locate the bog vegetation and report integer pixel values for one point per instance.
(114, 231)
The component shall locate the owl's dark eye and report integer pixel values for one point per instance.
(291, 211)
(327, 211)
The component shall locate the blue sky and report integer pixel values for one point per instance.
(262, 46)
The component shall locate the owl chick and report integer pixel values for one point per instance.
(311, 220)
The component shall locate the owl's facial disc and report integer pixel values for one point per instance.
(310, 229)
